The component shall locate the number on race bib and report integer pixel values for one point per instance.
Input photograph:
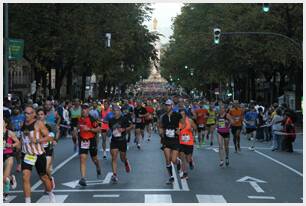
(170, 133)
(116, 133)
(185, 138)
(85, 144)
(30, 159)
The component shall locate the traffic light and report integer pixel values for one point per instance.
(265, 8)
(217, 33)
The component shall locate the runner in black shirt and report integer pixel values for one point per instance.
(119, 126)
(170, 133)
(140, 113)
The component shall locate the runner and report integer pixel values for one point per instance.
(140, 113)
(201, 115)
(211, 122)
(127, 111)
(250, 119)
(186, 139)
(75, 112)
(10, 141)
(105, 111)
(17, 120)
(88, 143)
(149, 119)
(236, 118)
(33, 134)
(119, 126)
(170, 134)
(223, 128)
(48, 146)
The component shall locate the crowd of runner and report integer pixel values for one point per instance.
(31, 131)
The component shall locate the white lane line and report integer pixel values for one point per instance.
(185, 186)
(59, 199)
(158, 198)
(280, 163)
(262, 197)
(9, 199)
(108, 178)
(104, 190)
(110, 195)
(211, 199)
(37, 184)
(176, 185)
(216, 149)
(256, 186)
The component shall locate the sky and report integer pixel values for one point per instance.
(164, 12)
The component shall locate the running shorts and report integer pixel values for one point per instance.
(186, 149)
(224, 135)
(88, 145)
(40, 164)
(120, 145)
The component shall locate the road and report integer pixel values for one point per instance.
(253, 176)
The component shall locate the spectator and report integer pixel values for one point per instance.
(277, 127)
(290, 129)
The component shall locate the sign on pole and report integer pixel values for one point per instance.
(16, 47)
(53, 78)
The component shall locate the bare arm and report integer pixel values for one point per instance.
(17, 143)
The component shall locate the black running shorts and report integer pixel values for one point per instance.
(186, 149)
(120, 145)
(93, 148)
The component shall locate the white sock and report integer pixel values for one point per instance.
(27, 200)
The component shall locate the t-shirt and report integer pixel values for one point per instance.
(89, 123)
(201, 116)
(115, 124)
(170, 124)
(250, 118)
(139, 111)
(236, 114)
(16, 122)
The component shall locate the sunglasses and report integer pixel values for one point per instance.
(29, 113)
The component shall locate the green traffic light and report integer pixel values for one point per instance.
(217, 41)
(265, 8)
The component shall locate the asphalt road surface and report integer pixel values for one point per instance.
(252, 176)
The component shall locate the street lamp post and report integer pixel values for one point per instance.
(6, 34)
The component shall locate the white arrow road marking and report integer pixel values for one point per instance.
(216, 149)
(253, 182)
(262, 197)
(110, 195)
(75, 183)
(211, 199)
(158, 198)
(9, 199)
(37, 184)
(256, 187)
(58, 198)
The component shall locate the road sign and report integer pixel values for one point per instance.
(253, 182)
(53, 78)
(16, 47)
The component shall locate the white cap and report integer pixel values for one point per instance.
(169, 101)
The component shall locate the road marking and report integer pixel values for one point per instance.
(211, 199)
(9, 199)
(37, 184)
(110, 195)
(104, 190)
(262, 197)
(256, 187)
(108, 178)
(58, 198)
(158, 198)
(216, 149)
(184, 185)
(176, 185)
(107, 150)
(280, 163)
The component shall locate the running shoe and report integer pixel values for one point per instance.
(211, 143)
(191, 165)
(13, 182)
(149, 139)
(226, 161)
(138, 146)
(5, 197)
(252, 148)
(170, 181)
(184, 176)
(127, 166)
(104, 154)
(221, 164)
(99, 176)
(82, 182)
(52, 197)
(114, 179)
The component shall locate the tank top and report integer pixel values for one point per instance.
(223, 125)
(29, 147)
(75, 113)
(211, 118)
(186, 136)
(7, 140)
(51, 120)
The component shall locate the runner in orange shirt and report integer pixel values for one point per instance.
(201, 117)
(236, 118)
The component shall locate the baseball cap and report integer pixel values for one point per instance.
(169, 102)
(116, 107)
(85, 106)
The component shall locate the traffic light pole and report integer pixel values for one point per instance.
(266, 33)
(6, 89)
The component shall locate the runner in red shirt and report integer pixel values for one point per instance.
(149, 118)
(201, 117)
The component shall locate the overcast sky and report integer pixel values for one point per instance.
(164, 12)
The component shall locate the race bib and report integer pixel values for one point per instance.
(85, 144)
(116, 133)
(252, 122)
(237, 119)
(30, 159)
(221, 124)
(185, 138)
(170, 133)
(201, 125)
(138, 120)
